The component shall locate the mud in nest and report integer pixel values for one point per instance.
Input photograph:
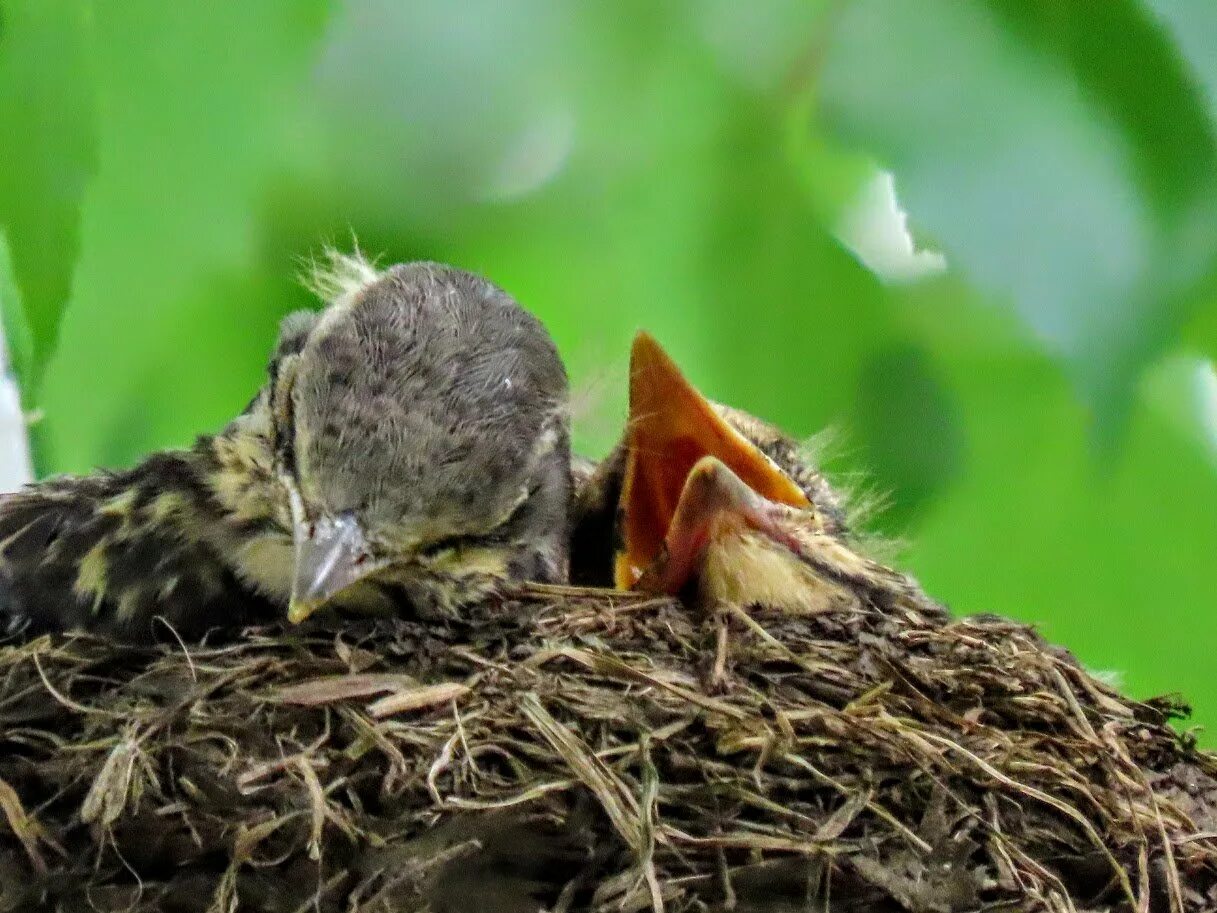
(571, 750)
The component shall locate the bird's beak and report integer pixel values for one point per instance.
(671, 429)
(331, 555)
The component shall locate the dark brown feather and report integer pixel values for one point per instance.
(111, 530)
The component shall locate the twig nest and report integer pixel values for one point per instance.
(574, 750)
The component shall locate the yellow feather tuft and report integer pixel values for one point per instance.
(339, 276)
(91, 574)
(120, 505)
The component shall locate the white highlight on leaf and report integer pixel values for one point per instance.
(1204, 385)
(1182, 391)
(875, 228)
(15, 467)
(534, 157)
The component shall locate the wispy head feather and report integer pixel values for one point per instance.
(860, 499)
(338, 276)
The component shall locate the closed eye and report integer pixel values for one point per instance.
(496, 536)
(448, 543)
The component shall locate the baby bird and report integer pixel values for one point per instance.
(705, 501)
(409, 447)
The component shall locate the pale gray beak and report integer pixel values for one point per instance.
(331, 554)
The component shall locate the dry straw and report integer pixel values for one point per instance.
(574, 750)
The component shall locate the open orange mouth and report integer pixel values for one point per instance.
(672, 428)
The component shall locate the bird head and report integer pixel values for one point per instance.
(672, 432)
(420, 440)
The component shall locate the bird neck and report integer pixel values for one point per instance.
(252, 534)
(238, 465)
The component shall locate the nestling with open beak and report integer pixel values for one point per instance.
(409, 447)
(708, 502)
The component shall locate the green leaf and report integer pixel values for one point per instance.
(1193, 28)
(911, 423)
(1113, 561)
(615, 240)
(1036, 154)
(202, 121)
(48, 148)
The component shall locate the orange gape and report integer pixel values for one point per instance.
(672, 427)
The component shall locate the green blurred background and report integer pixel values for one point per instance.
(1042, 414)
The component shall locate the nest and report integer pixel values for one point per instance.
(572, 750)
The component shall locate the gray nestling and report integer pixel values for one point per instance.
(410, 445)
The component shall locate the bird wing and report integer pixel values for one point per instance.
(45, 534)
(111, 553)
